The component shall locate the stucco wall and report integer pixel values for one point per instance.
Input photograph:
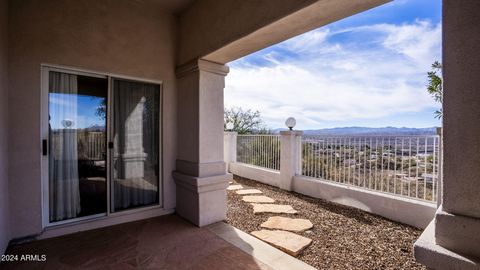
(405, 210)
(409, 211)
(4, 233)
(262, 175)
(123, 37)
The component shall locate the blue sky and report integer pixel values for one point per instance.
(82, 112)
(365, 70)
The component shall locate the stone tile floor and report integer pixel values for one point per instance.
(166, 242)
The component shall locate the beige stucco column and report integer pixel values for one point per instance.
(200, 175)
(452, 240)
(458, 221)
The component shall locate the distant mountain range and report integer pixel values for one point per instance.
(95, 127)
(368, 131)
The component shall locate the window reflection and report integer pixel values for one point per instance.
(77, 159)
(136, 144)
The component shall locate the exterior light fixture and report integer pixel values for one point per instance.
(67, 123)
(229, 126)
(290, 122)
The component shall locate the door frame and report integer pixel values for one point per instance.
(45, 68)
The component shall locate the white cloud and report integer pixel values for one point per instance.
(420, 41)
(380, 72)
(307, 41)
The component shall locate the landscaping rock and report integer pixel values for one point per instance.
(287, 224)
(273, 208)
(248, 191)
(258, 199)
(342, 236)
(234, 187)
(288, 242)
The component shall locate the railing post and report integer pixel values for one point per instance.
(229, 148)
(290, 155)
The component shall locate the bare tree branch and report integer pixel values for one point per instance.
(244, 121)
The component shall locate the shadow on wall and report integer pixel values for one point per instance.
(356, 214)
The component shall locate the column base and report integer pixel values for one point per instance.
(202, 200)
(434, 256)
(458, 233)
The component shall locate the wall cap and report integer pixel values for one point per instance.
(291, 132)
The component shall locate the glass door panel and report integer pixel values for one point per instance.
(77, 145)
(136, 138)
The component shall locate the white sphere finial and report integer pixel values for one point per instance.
(67, 123)
(290, 122)
(229, 126)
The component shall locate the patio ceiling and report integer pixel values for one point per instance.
(173, 6)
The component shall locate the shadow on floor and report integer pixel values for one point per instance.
(167, 242)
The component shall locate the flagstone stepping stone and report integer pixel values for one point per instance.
(273, 208)
(287, 224)
(258, 199)
(288, 242)
(248, 191)
(234, 187)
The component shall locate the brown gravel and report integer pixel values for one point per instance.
(343, 237)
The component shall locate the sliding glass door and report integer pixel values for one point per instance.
(77, 148)
(136, 160)
(100, 140)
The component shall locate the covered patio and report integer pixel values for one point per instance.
(181, 48)
(167, 242)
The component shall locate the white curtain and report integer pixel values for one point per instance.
(63, 158)
(136, 144)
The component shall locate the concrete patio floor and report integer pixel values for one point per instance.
(166, 242)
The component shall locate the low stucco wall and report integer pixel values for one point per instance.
(408, 211)
(4, 232)
(266, 176)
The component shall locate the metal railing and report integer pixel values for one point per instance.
(259, 150)
(90, 144)
(401, 165)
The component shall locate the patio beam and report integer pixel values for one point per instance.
(222, 31)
